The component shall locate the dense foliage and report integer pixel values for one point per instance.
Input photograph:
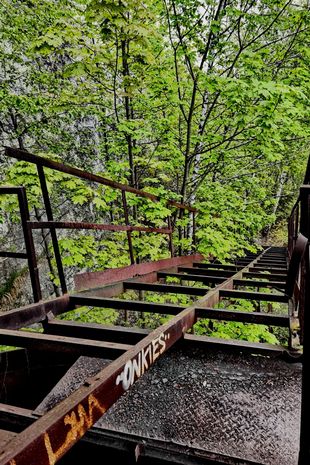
(203, 101)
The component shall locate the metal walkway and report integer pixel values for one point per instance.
(208, 400)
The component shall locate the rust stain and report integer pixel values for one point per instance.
(79, 423)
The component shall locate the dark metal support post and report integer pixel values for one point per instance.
(125, 207)
(31, 255)
(49, 214)
(171, 248)
(194, 233)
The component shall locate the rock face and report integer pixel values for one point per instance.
(235, 405)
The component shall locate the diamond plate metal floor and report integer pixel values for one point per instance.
(239, 406)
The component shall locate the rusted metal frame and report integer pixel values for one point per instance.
(13, 254)
(269, 270)
(54, 165)
(236, 294)
(98, 227)
(244, 317)
(120, 334)
(129, 239)
(121, 304)
(254, 283)
(34, 313)
(47, 342)
(50, 217)
(270, 277)
(191, 277)
(217, 266)
(203, 272)
(51, 436)
(59, 429)
(171, 288)
(30, 254)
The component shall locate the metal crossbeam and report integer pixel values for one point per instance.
(47, 342)
(167, 288)
(236, 294)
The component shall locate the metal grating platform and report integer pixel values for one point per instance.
(239, 406)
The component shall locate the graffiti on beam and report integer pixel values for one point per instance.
(135, 367)
(79, 422)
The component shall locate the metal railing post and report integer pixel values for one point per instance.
(29, 244)
(129, 238)
(304, 451)
(50, 217)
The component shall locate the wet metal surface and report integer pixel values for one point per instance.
(236, 405)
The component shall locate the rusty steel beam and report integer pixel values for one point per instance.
(276, 264)
(122, 304)
(271, 270)
(5, 437)
(254, 283)
(218, 266)
(47, 343)
(34, 313)
(171, 288)
(208, 342)
(244, 317)
(191, 277)
(97, 279)
(54, 165)
(235, 294)
(278, 268)
(95, 331)
(201, 271)
(94, 226)
(270, 276)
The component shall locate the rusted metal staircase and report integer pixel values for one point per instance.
(112, 358)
